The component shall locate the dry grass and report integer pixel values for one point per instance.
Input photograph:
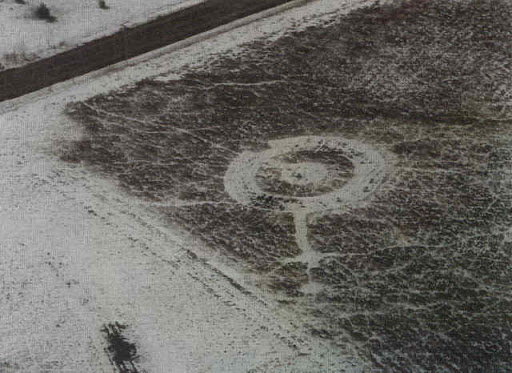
(420, 277)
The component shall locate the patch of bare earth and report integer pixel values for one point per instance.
(418, 276)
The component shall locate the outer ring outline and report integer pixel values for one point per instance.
(369, 173)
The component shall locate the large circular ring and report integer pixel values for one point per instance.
(306, 173)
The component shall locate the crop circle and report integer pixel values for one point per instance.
(309, 173)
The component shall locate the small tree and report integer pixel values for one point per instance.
(103, 4)
(43, 12)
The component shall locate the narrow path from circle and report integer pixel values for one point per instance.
(304, 175)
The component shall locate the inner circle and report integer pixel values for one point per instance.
(303, 173)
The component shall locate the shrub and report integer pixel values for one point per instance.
(102, 4)
(43, 12)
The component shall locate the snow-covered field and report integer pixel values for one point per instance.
(24, 38)
(190, 200)
(78, 253)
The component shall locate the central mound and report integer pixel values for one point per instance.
(305, 173)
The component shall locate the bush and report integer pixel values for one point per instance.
(102, 4)
(43, 12)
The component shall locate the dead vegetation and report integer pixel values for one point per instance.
(121, 352)
(420, 277)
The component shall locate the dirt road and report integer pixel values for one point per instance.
(127, 43)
